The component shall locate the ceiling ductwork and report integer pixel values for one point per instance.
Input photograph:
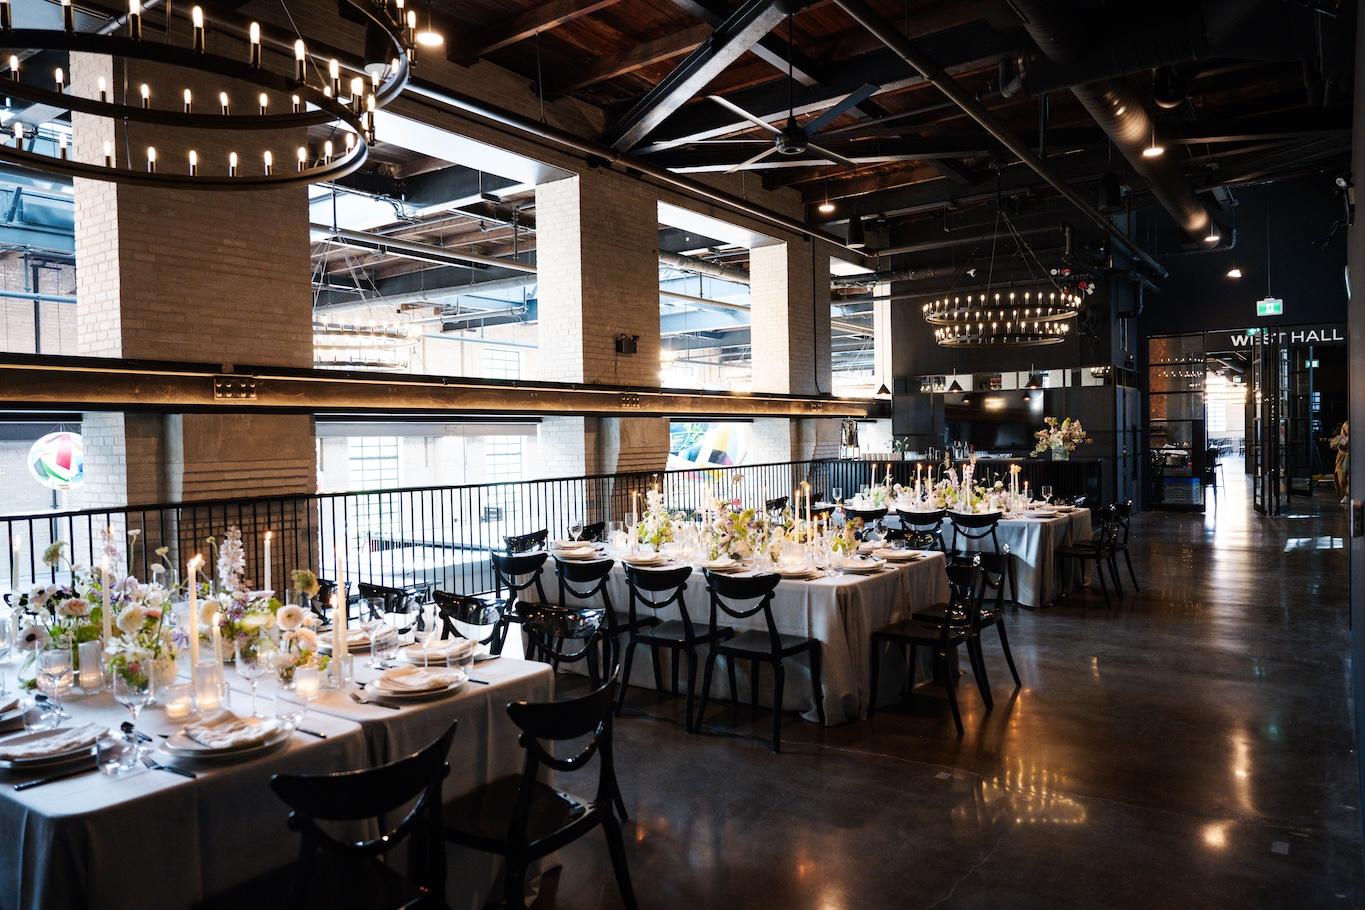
(1120, 112)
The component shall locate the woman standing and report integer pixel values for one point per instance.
(1341, 442)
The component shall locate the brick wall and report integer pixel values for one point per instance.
(789, 301)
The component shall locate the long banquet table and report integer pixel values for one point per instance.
(1033, 542)
(152, 838)
(841, 611)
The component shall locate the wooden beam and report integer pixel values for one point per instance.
(638, 57)
(521, 26)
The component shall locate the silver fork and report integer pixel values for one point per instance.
(154, 765)
(365, 701)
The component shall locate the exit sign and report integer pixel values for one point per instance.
(1270, 306)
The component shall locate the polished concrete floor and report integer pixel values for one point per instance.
(1189, 748)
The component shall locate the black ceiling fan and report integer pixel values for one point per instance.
(794, 138)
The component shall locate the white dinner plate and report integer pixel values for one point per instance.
(862, 566)
(39, 761)
(796, 572)
(1065, 510)
(722, 565)
(647, 559)
(180, 745)
(377, 692)
(899, 555)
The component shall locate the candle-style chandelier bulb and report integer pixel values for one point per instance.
(300, 59)
(194, 163)
(334, 75)
(60, 79)
(327, 151)
(18, 135)
(189, 100)
(254, 53)
(61, 145)
(296, 102)
(264, 102)
(303, 159)
(151, 159)
(145, 91)
(350, 142)
(269, 162)
(135, 19)
(223, 102)
(108, 153)
(103, 88)
(197, 20)
(232, 164)
(13, 65)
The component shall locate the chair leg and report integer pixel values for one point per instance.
(658, 674)
(950, 684)
(625, 675)
(691, 684)
(734, 681)
(753, 683)
(706, 686)
(1127, 557)
(1014, 579)
(817, 686)
(1009, 657)
(1114, 574)
(514, 882)
(779, 680)
(978, 662)
(616, 846)
(875, 662)
(590, 653)
(1104, 586)
(673, 659)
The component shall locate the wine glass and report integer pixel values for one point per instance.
(1046, 490)
(133, 689)
(54, 672)
(838, 494)
(424, 631)
(253, 662)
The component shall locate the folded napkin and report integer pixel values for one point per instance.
(415, 679)
(643, 559)
(53, 743)
(450, 649)
(897, 555)
(8, 703)
(869, 545)
(225, 730)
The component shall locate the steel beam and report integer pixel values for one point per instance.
(30, 382)
(521, 26)
(730, 40)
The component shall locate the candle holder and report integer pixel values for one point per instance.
(209, 686)
(339, 672)
(90, 658)
(177, 700)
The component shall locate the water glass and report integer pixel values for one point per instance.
(838, 494)
(6, 643)
(290, 707)
(383, 649)
(41, 715)
(115, 753)
(1046, 491)
(133, 690)
(54, 672)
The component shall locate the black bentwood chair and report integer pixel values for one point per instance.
(550, 628)
(523, 543)
(655, 590)
(590, 532)
(966, 584)
(515, 572)
(1100, 550)
(759, 647)
(406, 601)
(871, 518)
(923, 530)
(467, 617)
(996, 562)
(776, 505)
(585, 581)
(374, 794)
(522, 818)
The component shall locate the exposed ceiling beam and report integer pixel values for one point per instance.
(638, 57)
(749, 23)
(770, 49)
(968, 49)
(521, 26)
(720, 157)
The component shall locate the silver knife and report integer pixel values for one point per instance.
(29, 784)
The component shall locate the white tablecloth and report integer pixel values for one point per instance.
(155, 838)
(842, 612)
(1033, 542)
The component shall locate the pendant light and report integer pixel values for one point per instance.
(857, 239)
(1154, 150)
(428, 36)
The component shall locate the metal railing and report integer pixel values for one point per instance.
(438, 536)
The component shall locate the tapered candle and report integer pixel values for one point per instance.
(268, 535)
(340, 647)
(193, 567)
(218, 637)
(107, 614)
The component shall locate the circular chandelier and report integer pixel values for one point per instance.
(1030, 318)
(313, 95)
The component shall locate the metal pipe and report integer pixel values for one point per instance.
(38, 298)
(414, 250)
(869, 19)
(704, 267)
(928, 245)
(729, 307)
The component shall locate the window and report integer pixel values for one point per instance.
(1218, 417)
(502, 364)
(504, 458)
(373, 462)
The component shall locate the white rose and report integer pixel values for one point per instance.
(73, 608)
(289, 617)
(130, 620)
(307, 639)
(207, 610)
(254, 622)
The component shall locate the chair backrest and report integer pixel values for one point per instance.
(467, 617)
(725, 590)
(574, 718)
(869, 516)
(1080, 501)
(975, 526)
(658, 588)
(403, 601)
(584, 580)
(1125, 515)
(966, 590)
(550, 626)
(521, 543)
(378, 794)
(518, 571)
(594, 532)
(921, 521)
(776, 505)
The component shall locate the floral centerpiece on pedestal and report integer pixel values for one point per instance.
(656, 526)
(1060, 437)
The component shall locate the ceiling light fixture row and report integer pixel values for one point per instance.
(314, 94)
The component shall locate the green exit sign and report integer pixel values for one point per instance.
(1270, 306)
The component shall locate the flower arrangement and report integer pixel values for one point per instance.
(305, 582)
(1060, 436)
(298, 642)
(845, 540)
(730, 533)
(64, 612)
(656, 525)
(241, 618)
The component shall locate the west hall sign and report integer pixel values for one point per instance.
(1237, 339)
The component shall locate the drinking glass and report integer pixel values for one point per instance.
(132, 689)
(384, 648)
(290, 707)
(838, 494)
(41, 714)
(1047, 493)
(114, 753)
(425, 634)
(253, 662)
(6, 643)
(54, 672)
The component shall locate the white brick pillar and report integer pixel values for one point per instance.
(217, 277)
(597, 255)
